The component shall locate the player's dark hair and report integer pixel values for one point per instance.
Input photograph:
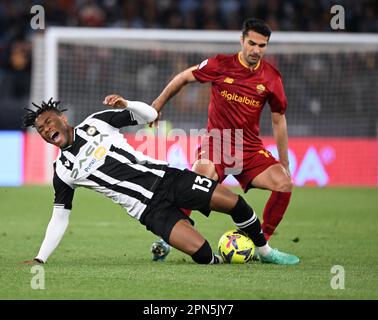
(257, 25)
(31, 115)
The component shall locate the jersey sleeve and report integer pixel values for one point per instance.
(63, 193)
(207, 70)
(277, 98)
(117, 118)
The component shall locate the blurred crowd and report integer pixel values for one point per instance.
(283, 15)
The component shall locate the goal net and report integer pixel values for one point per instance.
(330, 79)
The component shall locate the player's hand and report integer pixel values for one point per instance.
(34, 261)
(115, 101)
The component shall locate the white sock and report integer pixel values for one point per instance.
(264, 250)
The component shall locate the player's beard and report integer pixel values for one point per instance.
(253, 59)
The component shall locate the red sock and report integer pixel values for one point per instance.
(186, 211)
(274, 211)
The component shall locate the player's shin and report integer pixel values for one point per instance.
(246, 220)
(274, 211)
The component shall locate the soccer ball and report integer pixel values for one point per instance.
(235, 247)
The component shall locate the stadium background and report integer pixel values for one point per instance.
(333, 96)
(332, 117)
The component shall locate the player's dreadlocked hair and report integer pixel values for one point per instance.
(29, 118)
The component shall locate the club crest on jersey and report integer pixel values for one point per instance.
(260, 88)
(91, 131)
(99, 153)
(228, 80)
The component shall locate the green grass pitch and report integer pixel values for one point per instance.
(105, 253)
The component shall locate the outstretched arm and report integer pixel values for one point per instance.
(59, 220)
(142, 112)
(173, 87)
(54, 234)
(180, 80)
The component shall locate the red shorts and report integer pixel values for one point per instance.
(249, 166)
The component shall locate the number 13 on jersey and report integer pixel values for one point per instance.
(202, 183)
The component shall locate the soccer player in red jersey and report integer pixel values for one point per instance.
(241, 85)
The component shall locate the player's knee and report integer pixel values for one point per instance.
(206, 168)
(204, 255)
(285, 184)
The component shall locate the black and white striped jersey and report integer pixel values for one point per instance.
(101, 159)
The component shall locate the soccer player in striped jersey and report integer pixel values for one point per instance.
(95, 155)
(242, 83)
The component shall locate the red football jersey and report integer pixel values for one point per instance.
(238, 95)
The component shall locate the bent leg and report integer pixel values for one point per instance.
(188, 240)
(246, 220)
(185, 238)
(223, 200)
